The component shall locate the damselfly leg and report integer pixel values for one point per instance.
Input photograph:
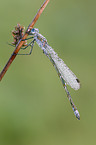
(30, 44)
(27, 38)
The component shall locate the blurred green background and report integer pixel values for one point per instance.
(34, 108)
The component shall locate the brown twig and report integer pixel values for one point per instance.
(20, 43)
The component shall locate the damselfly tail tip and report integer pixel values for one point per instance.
(77, 114)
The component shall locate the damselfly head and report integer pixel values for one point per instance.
(34, 31)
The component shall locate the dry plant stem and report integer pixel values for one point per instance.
(20, 43)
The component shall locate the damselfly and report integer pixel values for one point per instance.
(65, 74)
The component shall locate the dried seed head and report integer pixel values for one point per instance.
(18, 34)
